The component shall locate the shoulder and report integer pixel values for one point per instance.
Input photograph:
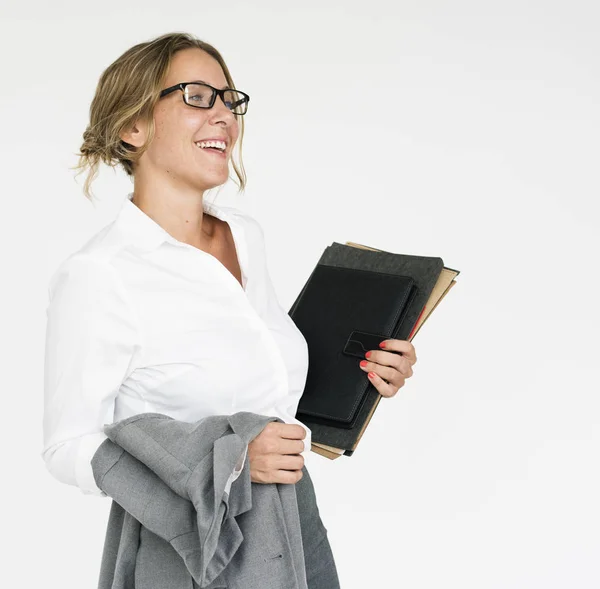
(91, 265)
(85, 275)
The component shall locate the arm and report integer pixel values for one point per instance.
(91, 337)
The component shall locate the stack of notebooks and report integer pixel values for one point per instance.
(355, 297)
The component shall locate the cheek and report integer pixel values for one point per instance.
(235, 130)
(174, 136)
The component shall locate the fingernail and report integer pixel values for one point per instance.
(382, 345)
(368, 354)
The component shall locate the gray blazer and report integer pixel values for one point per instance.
(171, 523)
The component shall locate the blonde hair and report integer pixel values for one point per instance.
(128, 90)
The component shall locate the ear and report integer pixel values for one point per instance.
(136, 134)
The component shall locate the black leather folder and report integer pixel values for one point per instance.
(354, 299)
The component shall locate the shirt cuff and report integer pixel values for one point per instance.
(84, 474)
(237, 471)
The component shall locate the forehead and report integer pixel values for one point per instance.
(189, 65)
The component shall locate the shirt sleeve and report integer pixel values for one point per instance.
(91, 337)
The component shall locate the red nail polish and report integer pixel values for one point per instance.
(371, 375)
(363, 363)
(368, 354)
(382, 345)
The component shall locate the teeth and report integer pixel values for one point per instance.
(216, 144)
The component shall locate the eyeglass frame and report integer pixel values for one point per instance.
(215, 91)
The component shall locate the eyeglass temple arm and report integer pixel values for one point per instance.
(171, 89)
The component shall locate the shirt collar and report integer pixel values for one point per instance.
(144, 233)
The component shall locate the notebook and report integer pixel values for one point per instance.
(355, 297)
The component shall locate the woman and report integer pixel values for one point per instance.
(170, 308)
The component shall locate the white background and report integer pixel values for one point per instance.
(466, 130)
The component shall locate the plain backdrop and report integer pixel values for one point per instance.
(467, 130)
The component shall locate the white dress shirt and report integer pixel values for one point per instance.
(138, 321)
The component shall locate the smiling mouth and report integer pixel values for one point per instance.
(214, 150)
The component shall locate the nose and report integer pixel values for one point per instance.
(222, 108)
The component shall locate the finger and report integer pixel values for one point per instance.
(291, 446)
(400, 363)
(400, 366)
(400, 345)
(291, 431)
(288, 461)
(391, 375)
(384, 388)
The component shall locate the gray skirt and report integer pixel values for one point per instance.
(321, 572)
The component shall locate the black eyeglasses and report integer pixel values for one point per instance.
(203, 96)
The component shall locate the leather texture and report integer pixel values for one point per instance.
(342, 425)
(343, 313)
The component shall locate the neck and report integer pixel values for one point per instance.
(178, 209)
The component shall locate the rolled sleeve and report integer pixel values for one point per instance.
(91, 337)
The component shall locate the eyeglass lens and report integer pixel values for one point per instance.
(201, 95)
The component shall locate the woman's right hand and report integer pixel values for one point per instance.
(274, 454)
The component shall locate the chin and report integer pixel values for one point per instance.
(218, 176)
(205, 183)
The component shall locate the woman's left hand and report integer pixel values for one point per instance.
(388, 371)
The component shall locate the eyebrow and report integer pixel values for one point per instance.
(203, 82)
